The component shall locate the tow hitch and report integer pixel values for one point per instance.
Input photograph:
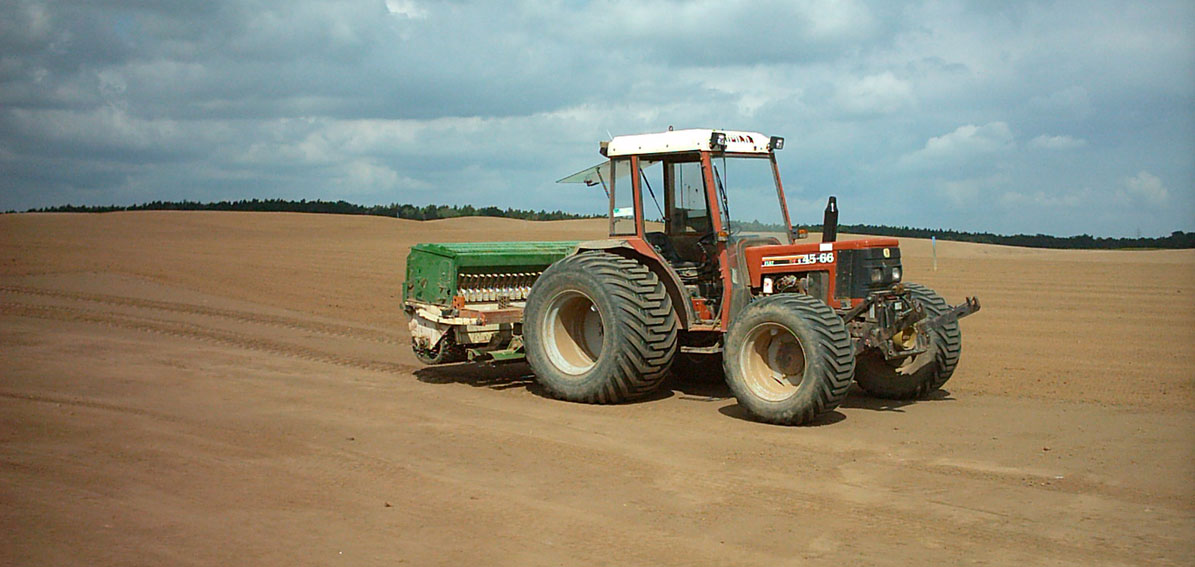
(898, 326)
(971, 305)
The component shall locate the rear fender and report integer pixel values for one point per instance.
(642, 252)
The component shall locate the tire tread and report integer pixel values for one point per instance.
(948, 342)
(833, 352)
(643, 309)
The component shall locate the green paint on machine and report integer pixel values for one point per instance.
(434, 270)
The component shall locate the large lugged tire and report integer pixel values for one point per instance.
(599, 328)
(788, 359)
(918, 375)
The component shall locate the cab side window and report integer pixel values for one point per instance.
(622, 198)
(690, 211)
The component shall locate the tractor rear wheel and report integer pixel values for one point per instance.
(788, 359)
(599, 328)
(918, 375)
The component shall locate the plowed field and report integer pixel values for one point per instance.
(237, 388)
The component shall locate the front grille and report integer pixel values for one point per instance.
(857, 270)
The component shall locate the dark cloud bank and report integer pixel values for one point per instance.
(1049, 117)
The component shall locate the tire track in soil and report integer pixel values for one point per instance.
(882, 519)
(89, 404)
(120, 409)
(196, 332)
(352, 462)
(895, 519)
(330, 329)
(533, 507)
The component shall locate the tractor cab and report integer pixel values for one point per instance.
(669, 203)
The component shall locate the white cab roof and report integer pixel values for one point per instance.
(686, 141)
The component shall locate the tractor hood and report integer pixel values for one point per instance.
(785, 258)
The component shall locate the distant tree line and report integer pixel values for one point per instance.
(403, 211)
(1177, 239)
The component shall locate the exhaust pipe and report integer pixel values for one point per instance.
(830, 221)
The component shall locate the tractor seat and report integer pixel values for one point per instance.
(665, 248)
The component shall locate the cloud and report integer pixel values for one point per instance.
(970, 192)
(749, 88)
(1047, 142)
(489, 103)
(408, 8)
(881, 93)
(1073, 101)
(730, 32)
(365, 177)
(1058, 202)
(962, 192)
(1148, 187)
(965, 143)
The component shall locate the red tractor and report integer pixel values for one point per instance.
(675, 286)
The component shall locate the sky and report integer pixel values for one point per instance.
(1009, 117)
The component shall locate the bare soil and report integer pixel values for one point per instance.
(237, 388)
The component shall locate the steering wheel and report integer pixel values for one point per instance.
(708, 245)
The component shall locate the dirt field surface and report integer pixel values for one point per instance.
(238, 389)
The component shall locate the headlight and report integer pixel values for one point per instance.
(877, 275)
(896, 274)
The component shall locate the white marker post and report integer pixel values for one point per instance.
(933, 244)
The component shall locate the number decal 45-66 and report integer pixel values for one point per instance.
(800, 259)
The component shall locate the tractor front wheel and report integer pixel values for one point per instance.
(599, 328)
(788, 359)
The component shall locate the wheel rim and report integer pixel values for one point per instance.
(772, 362)
(573, 332)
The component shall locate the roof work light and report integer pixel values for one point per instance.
(718, 142)
(776, 143)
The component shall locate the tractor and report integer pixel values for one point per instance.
(676, 287)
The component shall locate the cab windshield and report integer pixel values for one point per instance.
(747, 187)
(744, 185)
